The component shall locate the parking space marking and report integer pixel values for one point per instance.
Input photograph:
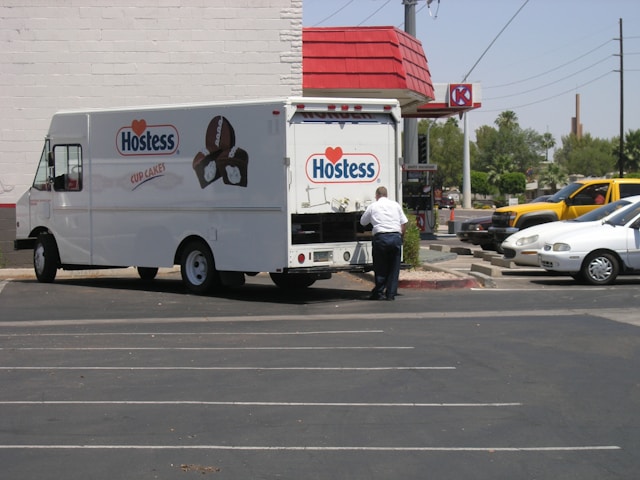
(258, 404)
(69, 349)
(308, 448)
(422, 315)
(328, 369)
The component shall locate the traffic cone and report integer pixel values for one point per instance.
(452, 215)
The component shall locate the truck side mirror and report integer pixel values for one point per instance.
(568, 201)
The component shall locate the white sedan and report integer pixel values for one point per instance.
(598, 253)
(523, 246)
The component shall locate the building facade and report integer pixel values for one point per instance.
(80, 54)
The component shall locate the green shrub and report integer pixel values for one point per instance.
(411, 242)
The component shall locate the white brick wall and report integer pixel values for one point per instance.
(92, 53)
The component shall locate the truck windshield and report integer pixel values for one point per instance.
(41, 180)
(564, 193)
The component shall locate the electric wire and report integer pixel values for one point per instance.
(602, 60)
(542, 100)
(375, 12)
(334, 13)
(548, 71)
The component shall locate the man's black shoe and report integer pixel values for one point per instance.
(375, 296)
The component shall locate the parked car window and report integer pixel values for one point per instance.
(629, 189)
(625, 216)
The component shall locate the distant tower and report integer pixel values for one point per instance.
(576, 126)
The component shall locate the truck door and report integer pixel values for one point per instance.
(70, 204)
(59, 200)
(587, 199)
(340, 159)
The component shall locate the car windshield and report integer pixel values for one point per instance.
(564, 193)
(603, 211)
(624, 217)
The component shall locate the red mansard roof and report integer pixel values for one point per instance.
(366, 62)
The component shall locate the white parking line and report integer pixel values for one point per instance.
(577, 448)
(339, 369)
(197, 334)
(198, 348)
(258, 404)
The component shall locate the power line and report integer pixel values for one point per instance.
(377, 10)
(542, 100)
(548, 71)
(494, 40)
(334, 13)
(602, 60)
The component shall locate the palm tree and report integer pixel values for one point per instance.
(553, 176)
(507, 120)
(547, 142)
(502, 163)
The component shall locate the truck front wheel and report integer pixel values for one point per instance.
(197, 268)
(46, 258)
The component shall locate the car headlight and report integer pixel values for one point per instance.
(561, 247)
(527, 240)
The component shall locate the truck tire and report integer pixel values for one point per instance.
(46, 258)
(600, 268)
(197, 268)
(147, 273)
(292, 281)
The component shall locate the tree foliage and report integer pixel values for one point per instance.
(630, 151)
(592, 157)
(446, 147)
(480, 183)
(552, 176)
(523, 148)
(513, 183)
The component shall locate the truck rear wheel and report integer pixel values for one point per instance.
(293, 281)
(46, 258)
(197, 267)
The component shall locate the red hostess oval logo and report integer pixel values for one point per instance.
(142, 139)
(335, 166)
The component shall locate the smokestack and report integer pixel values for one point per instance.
(576, 126)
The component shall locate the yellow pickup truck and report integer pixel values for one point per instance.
(570, 202)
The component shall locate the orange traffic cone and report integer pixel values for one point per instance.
(452, 215)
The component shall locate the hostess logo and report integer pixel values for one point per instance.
(142, 139)
(335, 166)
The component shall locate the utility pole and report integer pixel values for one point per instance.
(621, 146)
(410, 135)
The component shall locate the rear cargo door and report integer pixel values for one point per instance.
(340, 159)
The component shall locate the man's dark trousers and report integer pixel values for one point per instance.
(387, 255)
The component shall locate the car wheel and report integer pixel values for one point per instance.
(600, 268)
(46, 258)
(197, 268)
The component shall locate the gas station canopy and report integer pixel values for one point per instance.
(379, 62)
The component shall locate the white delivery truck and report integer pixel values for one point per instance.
(220, 189)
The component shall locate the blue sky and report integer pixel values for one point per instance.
(551, 51)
